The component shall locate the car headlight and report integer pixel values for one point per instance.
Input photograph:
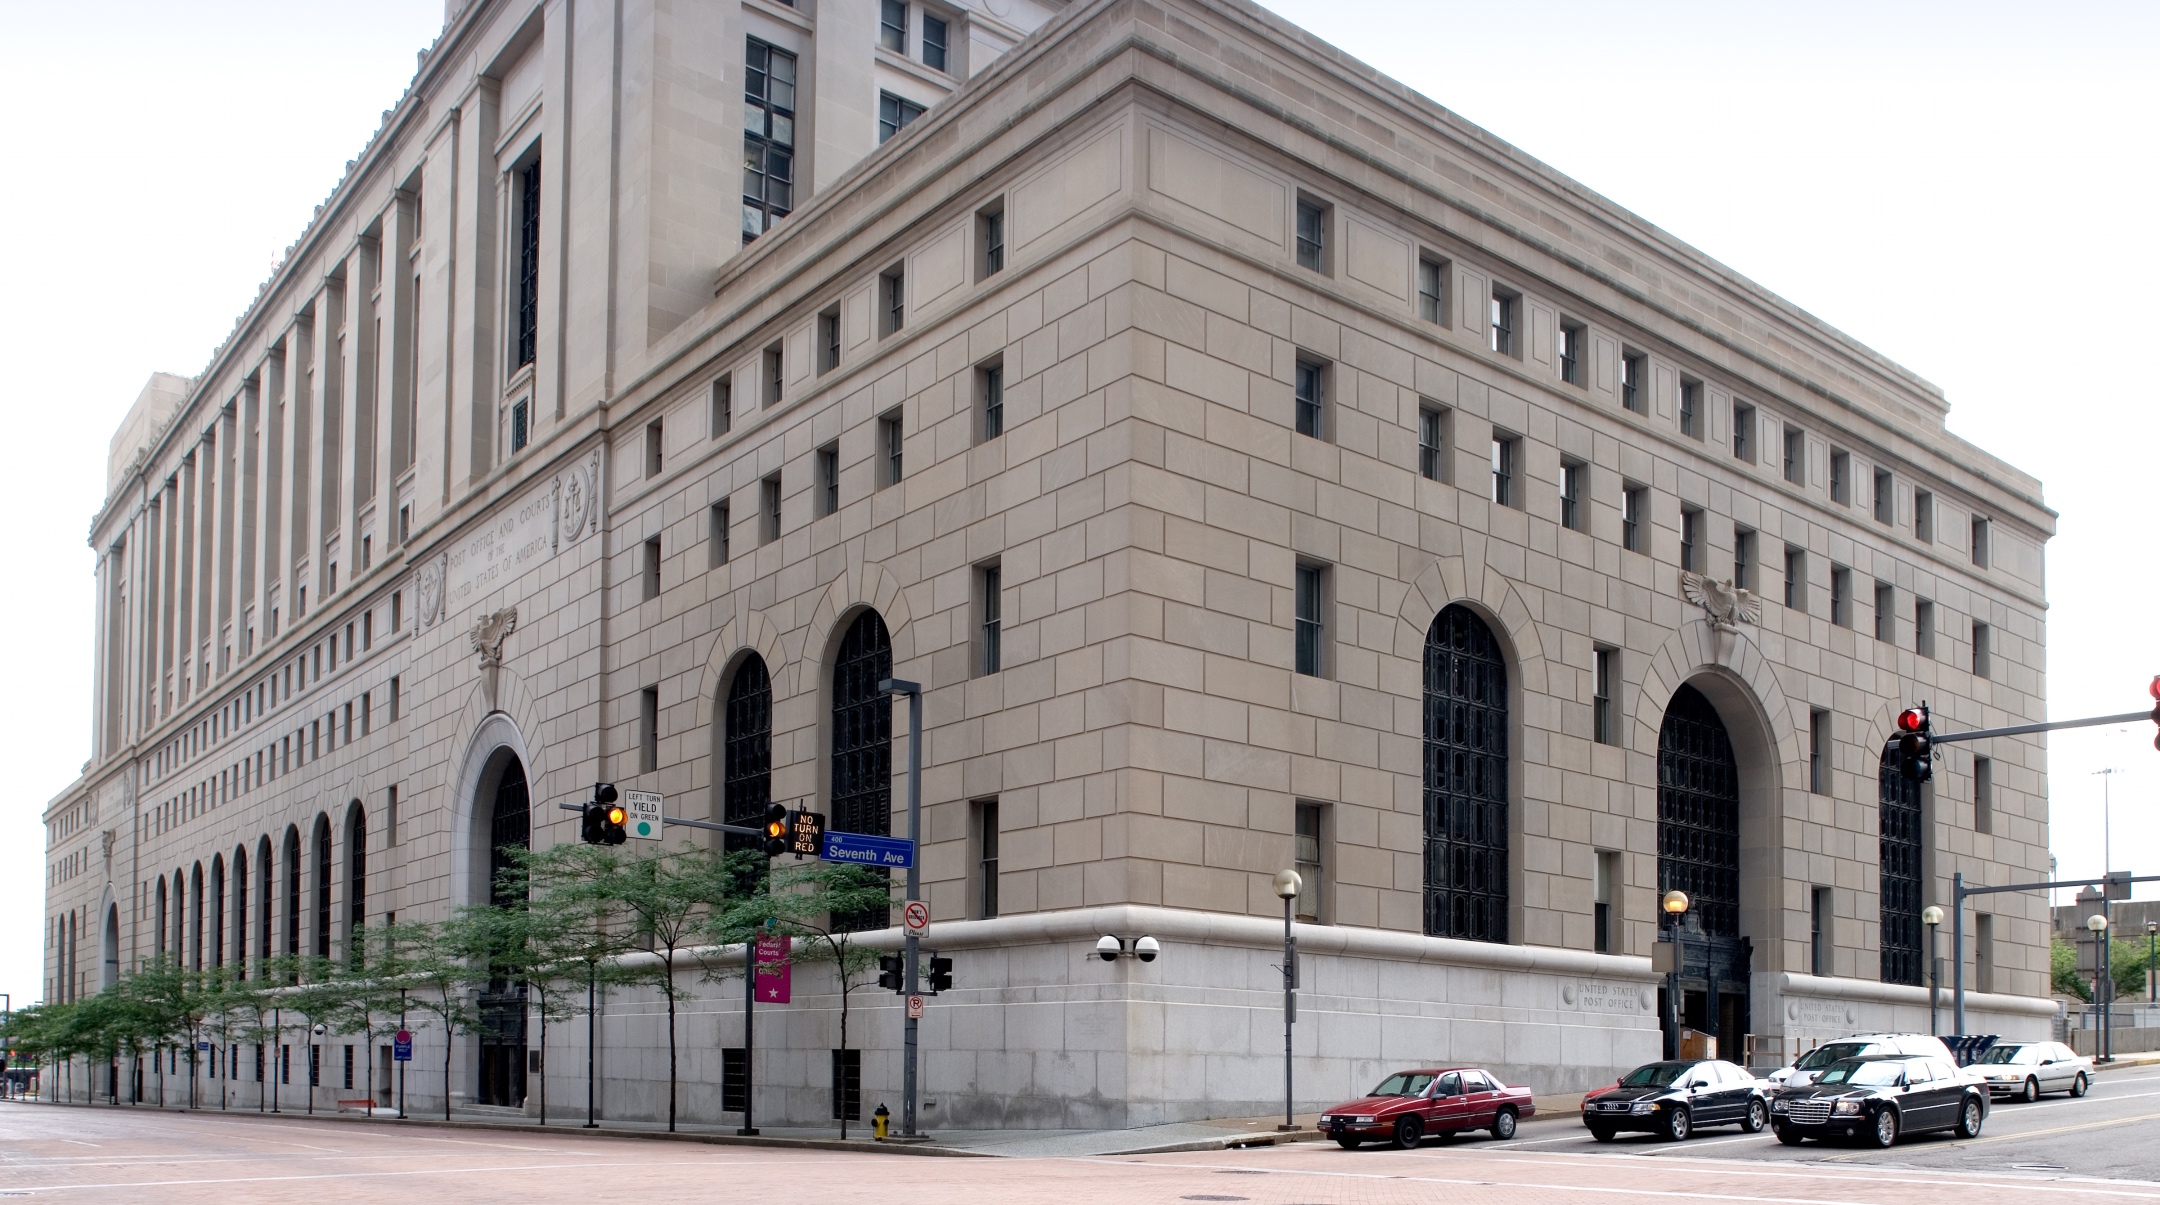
(1780, 1105)
(1363, 1121)
(1641, 1107)
(1845, 1108)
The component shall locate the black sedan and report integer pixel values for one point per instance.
(1672, 1099)
(1878, 1099)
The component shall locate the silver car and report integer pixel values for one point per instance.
(1859, 1046)
(2026, 1069)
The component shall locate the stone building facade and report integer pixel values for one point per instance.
(1259, 465)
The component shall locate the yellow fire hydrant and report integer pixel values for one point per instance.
(880, 1121)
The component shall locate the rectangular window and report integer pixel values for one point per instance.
(396, 701)
(734, 1080)
(1312, 222)
(828, 340)
(770, 364)
(648, 734)
(1982, 660)
(1743, 432)
(1432, 443)
(1503, 321)
(768, 139)
(1885, 612)
(1306, 859)
(314, 1073)
(1690, 546)
(528, 267)
(1573, 514)
(935, 39)
(1634, 517)
(653, 448)
(1311, 398)
(990, 606)
(1432, 289)
(1631, 375)
(986, 859)
(520, 426)
(1743, 558)
(990, 239)
(1819, 931)
(892, 448)
(1983, 795)
(650, 569)
(1570, 352)
(1979, 541)
(1605, 892)
(828, 479)
(404, 533)
(847, 1084)
(1795, 455)
(348, 1067)
(892, 299)
(723, 406)
(1690, 401)
(1841, 477)
(990, 388)
(367, 630)
(718, 524)
(769, 509)
(894, 114)
(1841, 596)
(1923, 516)
(1504, 448)
(1795, 578)
(1604, 721)
(1923, 627)
(1885, 497)
(1983, 952)
(1819, 751)
(892, 30)
(1311, 620)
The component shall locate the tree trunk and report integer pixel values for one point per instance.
(669, 963)
(840, 1073)
(543, 1056)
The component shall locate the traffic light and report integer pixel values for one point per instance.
(776, 830)
(2154, 691)
(591, 825)
(892, 972)
(601, 821)
(940, 974)
(1916, 744)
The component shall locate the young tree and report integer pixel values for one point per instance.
(434, 968)
(319, 989)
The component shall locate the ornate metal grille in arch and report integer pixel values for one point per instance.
(1699, 812)
(1466, 779)
(862, 739)
(1901, 827)
(746, 761)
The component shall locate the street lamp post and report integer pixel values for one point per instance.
(2152, 991)
(1287, 885)
(1932, 916)
(2103, 984)
(912, 953)
(1675, 904)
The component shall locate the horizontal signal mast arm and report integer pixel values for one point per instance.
(741, 830)
(2128, 717)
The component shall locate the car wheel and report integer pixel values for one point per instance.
(1970, 1117)
(2080, 1085)
(1884, 1132)
(2032, 1090)
(1758, 1116)
(1603, 1133)
(1678, 1125)
(1409, 1131)
(1348, 1143)
(1789, 1136)
(1503, 1124)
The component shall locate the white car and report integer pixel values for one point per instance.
(1859, 1046)
(2026, 1069)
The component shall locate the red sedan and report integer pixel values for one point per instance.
(1409, 1105)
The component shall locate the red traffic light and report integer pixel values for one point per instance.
(1915, 719)
(2154, 689)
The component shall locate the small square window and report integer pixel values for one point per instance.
(1634, 517)
(1432, 443)
(1432, 289)
(892, 446)
(990, 239)
(1841, 596)
(1312, 620)
(1690, 400)
(990, 392)
(1979, 541)
(828, 340)
(1795, 578)
(892, 299)
(723, 406)
(1841, 477)
(1795, 455)
(1505, 449)
(1573, 514)
(1631, 381)
(1504, 305)
(935, 39)
(1923, 509)
(894, 114)
(1743, 432)
(1690, 542)
(892, 25)
(1312, 223)
(1885, 497)
(828, 476)
(1570, 352)
(718, 523)
(1311, 390)
(1923, 627)
(769, 509)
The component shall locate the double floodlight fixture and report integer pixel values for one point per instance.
(1108, 947)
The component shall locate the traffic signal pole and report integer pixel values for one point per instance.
(913, 690)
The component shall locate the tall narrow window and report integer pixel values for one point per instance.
(892, 448)
(1885, 612)
(828, 340)
(520, 431)
(1311, 398)
(990, 386)
(1923, 627)
(894, 114)
(1570, 352)
(989, 605)
(1504, 448)
(892, 299)
(1795, 578)
(1432, 443)
(723, 405)
(1604, 723)
(1983, 952)
(1573, 515)
(1312, 219)
(1841, 596)
(1743, 432)
(1983, 795)
(986, 859)
(1605, 896)
(828, 477)
(769, 509)
(892, 25)
(1503, 306)
(860, 772)
(1466, 779)
(1431, 289)
(769, 368)
(1885, 497)
(718, 524)
(648, 734)
(1311, 620)
(1631, 381)
(1819, 931)
(649, 570)
(1690, 400)
(1819, 751)
(746, 750)
(1982, 656)
(990, 239)
(1743, 558)
(935, 37)
(1841, 476)
(1307, 859)
(768, 140)
(1979, 541)
(1795, 455)
(528, 286)
(654, 448)
(1690, 543)
(1923, 510)
(1634, 517)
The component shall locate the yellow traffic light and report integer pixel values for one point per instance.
(616, 815)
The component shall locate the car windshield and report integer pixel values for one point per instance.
(1864, 1073)
(1404, 1083)
(2009, 1054)
(1830, 1052)
(1654, 1075)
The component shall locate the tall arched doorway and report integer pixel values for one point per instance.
(502, 1004)
(1466, 779)
(1901, 829)
(746, 750)
(862, 742)
(1699, 853)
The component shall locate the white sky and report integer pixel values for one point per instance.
(1966, 187)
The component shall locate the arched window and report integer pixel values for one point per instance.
(217, 910)
(195, 918)
(111, 950)
(356, 884)
(162, 905)
(265, 898)
(746, 756)
(1901, 831)
(239, 911)
(322, 886)
(1699, 812)
(510, 827)
(503, 1002)
(1466, 779)
(179, 924)
(862, 739)
(292, 890)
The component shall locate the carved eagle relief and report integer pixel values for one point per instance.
(1726, 605)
